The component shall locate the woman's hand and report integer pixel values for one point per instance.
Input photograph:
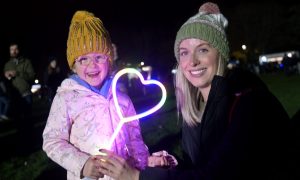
(163, 159)
(117, 167)
(91, 168)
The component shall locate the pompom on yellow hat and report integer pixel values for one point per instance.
(87, 35)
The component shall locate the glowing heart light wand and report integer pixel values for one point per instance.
(137, 116)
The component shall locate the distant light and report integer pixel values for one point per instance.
(147, 68)
(275, 59)
(289, 55)
(35, 88)
(142, 63)
(36, 81)
(262, 60)
(281, 65)
(230, 66)
(174, 71)
(244, 47)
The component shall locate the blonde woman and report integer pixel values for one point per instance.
(233, 127)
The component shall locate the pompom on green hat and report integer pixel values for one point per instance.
(208, 25)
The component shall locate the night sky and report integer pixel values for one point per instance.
(142, 30)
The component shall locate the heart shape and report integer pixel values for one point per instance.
(137, 116)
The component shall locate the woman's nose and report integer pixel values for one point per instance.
(194, 60)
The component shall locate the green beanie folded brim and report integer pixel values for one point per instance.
(204, 32)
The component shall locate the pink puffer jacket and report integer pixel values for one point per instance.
(80, 122)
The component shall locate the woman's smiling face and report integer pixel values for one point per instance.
(198, 61)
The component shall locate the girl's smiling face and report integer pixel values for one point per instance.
(92, 68)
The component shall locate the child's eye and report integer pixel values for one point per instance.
(101, 57)
(82, 59)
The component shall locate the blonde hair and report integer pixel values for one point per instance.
(188, 97)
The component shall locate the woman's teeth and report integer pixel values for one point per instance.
(198, 71)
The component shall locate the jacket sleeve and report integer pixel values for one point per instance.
(56, 142)
(29, 73)
(8, 66)
(138, 151)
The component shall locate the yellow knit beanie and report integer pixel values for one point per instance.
(87, 35)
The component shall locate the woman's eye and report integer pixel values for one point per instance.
(203, 50)
(183, 53)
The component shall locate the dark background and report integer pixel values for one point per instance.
(144, 30)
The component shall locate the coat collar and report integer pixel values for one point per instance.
(103, 91)
(219, 88)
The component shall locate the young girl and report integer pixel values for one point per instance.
(83, 117)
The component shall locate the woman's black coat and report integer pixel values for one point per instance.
(241, 136)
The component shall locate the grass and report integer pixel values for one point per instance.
(24, 167)
(286, 89)
(162, 131)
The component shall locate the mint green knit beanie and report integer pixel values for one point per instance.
(208, 25)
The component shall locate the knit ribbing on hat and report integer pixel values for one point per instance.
(87, 35)
(208, 25)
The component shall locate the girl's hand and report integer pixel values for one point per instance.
(163, 159)
(91, 168)
(116, 167)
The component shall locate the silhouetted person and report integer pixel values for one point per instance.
(52, 78)
(117, 66)
(286, 61)
(4, 101)
(19, 71)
